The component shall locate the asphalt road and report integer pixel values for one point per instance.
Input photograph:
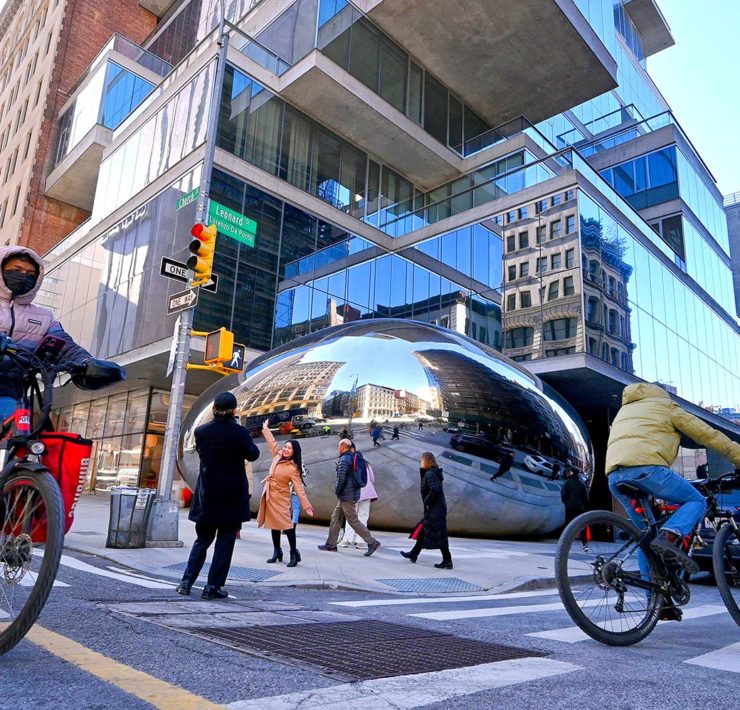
(660, 672)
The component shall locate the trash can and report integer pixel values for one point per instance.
(129, 516)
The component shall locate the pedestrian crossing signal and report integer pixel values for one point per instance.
(202, 249)
(235, 363)
(219, 347)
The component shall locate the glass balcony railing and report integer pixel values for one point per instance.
(256, 51)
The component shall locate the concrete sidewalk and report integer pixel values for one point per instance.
(479, 564)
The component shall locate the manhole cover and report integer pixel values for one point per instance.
(362, 649)
(440, 584)
(242, 574)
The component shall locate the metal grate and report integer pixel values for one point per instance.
(362, 649)
(434, 584)
(242, 574)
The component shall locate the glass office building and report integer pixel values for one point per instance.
(575, 229)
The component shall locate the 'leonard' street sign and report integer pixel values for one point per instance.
(232, 224)
(182, 300)
(176, 270)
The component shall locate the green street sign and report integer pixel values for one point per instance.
(192, 196)
(232, 224)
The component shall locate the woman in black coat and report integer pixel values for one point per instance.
(433, 533)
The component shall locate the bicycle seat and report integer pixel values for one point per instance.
(630, 489)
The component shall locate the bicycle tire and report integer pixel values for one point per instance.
(33, 509)
(727, 568)
(574, 571)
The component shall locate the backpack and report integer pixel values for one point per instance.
(359, 470)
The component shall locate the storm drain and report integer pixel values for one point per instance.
(439, 584)
(242, 574)
(362, 649)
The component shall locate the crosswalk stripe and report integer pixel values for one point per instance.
(29, 579)
(498, 611)
(446, 600)
(724, 659)
(572, 634)
(413, 691)
(68, 561)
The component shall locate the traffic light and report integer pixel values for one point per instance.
(219, 347)
(202, 248)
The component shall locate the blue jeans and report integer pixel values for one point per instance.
(662, 483)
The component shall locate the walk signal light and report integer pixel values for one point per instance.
(219, 347)
(202, 249)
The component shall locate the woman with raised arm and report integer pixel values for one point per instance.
(275, 505)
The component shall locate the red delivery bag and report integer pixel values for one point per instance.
(67, 456)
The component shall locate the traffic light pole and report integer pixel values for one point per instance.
(163, 522)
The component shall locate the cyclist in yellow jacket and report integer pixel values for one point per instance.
(643, 443)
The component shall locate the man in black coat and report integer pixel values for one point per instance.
(221, 499)
(574, 495)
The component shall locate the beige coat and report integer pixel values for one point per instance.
(647, 430)
(275, 509)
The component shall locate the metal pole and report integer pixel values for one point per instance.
(163, 522)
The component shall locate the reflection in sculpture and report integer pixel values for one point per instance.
(478, 409)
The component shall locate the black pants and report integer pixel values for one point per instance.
(290, 534)
(224, 549)
(444, 549)
(572, 514)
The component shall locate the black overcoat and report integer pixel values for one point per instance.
(574, 495)
(221, 495)
(435, 509)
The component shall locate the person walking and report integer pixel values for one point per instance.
(377, 433)
(506, 462)
(367, 496)
(221, 499)
(347, 491)
(396, 433)
(574, 495)
(433, 532)
(276, 511)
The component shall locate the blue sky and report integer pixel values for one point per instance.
(699, 78)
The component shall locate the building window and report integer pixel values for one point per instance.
(510, 217)
(511, 302)
(541, 265)
(522, 358)
(27, 145)
(526, 299)
(612, 286)
(560, 329)
(15, 200)
(569, 195)
(38, 93)
(555, 229)
(523, 212)
(612, 324)
(605, 352)
(570, 224)
(557, 199)
(541, 233)
(559, 351)
(570, 258)
(568, 286)
(510, 243)
(555, 261)
(552, 293)
(591, 346)
(523, 240)
(615, 357)
(3, 212)
(524, 269)
(592, 310)
(48, 43)
(512, 273)
(519, 337)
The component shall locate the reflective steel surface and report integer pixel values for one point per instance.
(466, 403)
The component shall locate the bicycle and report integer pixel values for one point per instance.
(31, 504)
(615, 587)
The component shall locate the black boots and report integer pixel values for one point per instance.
(184, 588)
(277, 555)
(210, 592)
(444, 564)
(295, 558)
(410, 556)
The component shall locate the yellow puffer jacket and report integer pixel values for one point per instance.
(647, 430)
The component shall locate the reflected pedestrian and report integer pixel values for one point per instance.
(506, 462)
(432, 534)
(574, 495)
(276, 510)
(221, 499)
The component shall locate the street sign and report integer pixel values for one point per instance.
(185, 200)
(176, 270)
(236, 364)
(232, 224)
(181, 301)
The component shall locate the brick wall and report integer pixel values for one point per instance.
(87, 26)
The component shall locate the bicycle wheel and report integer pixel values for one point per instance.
(726, 560)
(31, 540)
(597, 586)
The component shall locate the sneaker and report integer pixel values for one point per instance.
(667, 546)
(444, 565)
(210, 592)
(585, 547)
(670, 613)
(361, 545)
(327, 548)
(344, 543)
(372, 547)
(184, 589)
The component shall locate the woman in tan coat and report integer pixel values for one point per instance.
(275, 505)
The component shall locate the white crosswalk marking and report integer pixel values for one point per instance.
(498, 611)
(445, 600)
(29, 579)
(68, 561)
(572, 634)
(414, 691)
(724, 659)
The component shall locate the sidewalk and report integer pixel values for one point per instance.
(479, 564)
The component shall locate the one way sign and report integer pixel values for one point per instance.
(182, 301)
(178, 271)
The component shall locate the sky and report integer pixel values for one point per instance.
(698, 77)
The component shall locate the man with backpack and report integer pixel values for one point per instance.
(351, 477)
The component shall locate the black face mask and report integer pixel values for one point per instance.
(19, 282)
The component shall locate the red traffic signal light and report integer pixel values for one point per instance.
(202, 248)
